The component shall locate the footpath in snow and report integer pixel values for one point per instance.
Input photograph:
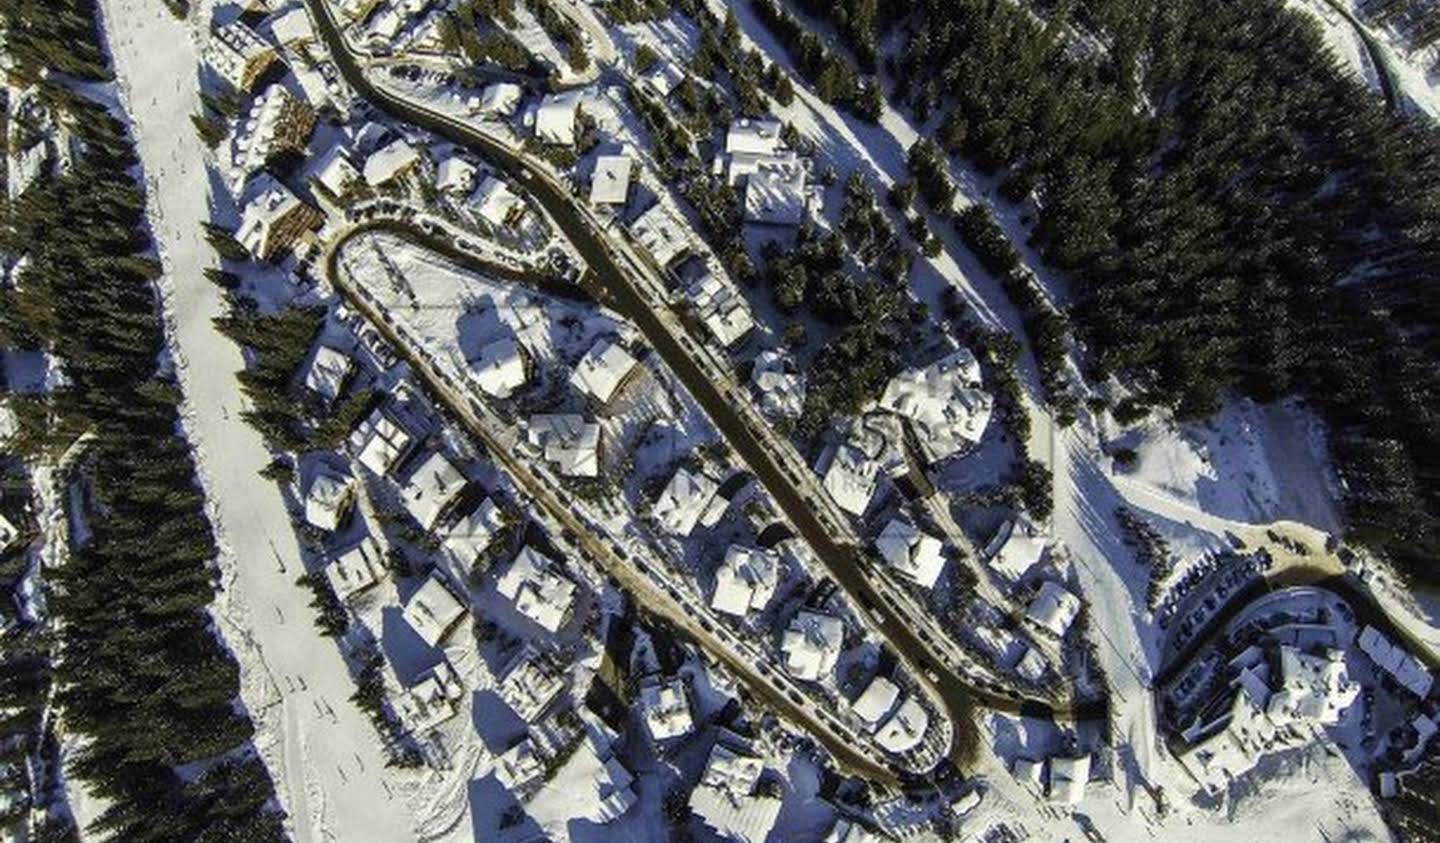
(325, 757)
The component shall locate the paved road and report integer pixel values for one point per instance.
(912, 633)
(643, 578)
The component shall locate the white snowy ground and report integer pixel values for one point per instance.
(329, 771)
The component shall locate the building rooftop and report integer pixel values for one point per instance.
(328, 499)
(1053, 608)
(356, 569)
(753, 136)
(468, 537)
(272, 218)
(325, 372)
(776, 196)
(334, 171)
(431, 700)
(455, 176)
(433, 610)
(745, 580)
(432, 486)
(390, 162)
(500, 99)
(496, 203)
(876, 701)
(1396, 661)
(1015, 549)
(380, 442)
(569, 442)
(600, 372)
(530, 685)
(721, 307)
(943, 404)
(851, 477)
(537, 589)
(666, 709)
(684, 500)
(555, 118)
(610, 183)
(238, 54)
(661, 233)
(499, 367)
(905, 728)
(914, 554)
(782, 387)
(812, 645)
(725, 798)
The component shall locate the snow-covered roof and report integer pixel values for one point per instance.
(1031, 665)
(431, 488)
(662, 78)
(455, 175)
(851, 477)
(238, 54)
(725, 799)
(812, 645)
(943, 404)
(356, 569)
(380, 442)
(745, 580)
(1068, 777)
(520, 766)
(530, 685)
(277, 122)
(610, 183)
(601, 371)
(876, 701)
(495, 202)
(433, 610)
(722, 308)
(273, 218)
(1396, 661)
(500, 99)
(912, 553)
(905, 728)
(393, 160)
(1313, 688)
(327, 499)
(775, 197)
(661, 232)
(335, 172)
(538, 591)
(326, 372)
(666, 709)
(555, 118)
(290, 26)
(499, 367)
(431, 700)
(782, 388)
(468, 537)
(684, 500)
(1015, 549)
(570, 442)
(1053, 608)
(754, 136)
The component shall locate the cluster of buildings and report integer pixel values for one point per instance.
(776, 180)
(1279, 697)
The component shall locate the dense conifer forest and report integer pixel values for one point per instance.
(141, 676)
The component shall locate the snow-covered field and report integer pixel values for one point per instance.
(328, 768)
